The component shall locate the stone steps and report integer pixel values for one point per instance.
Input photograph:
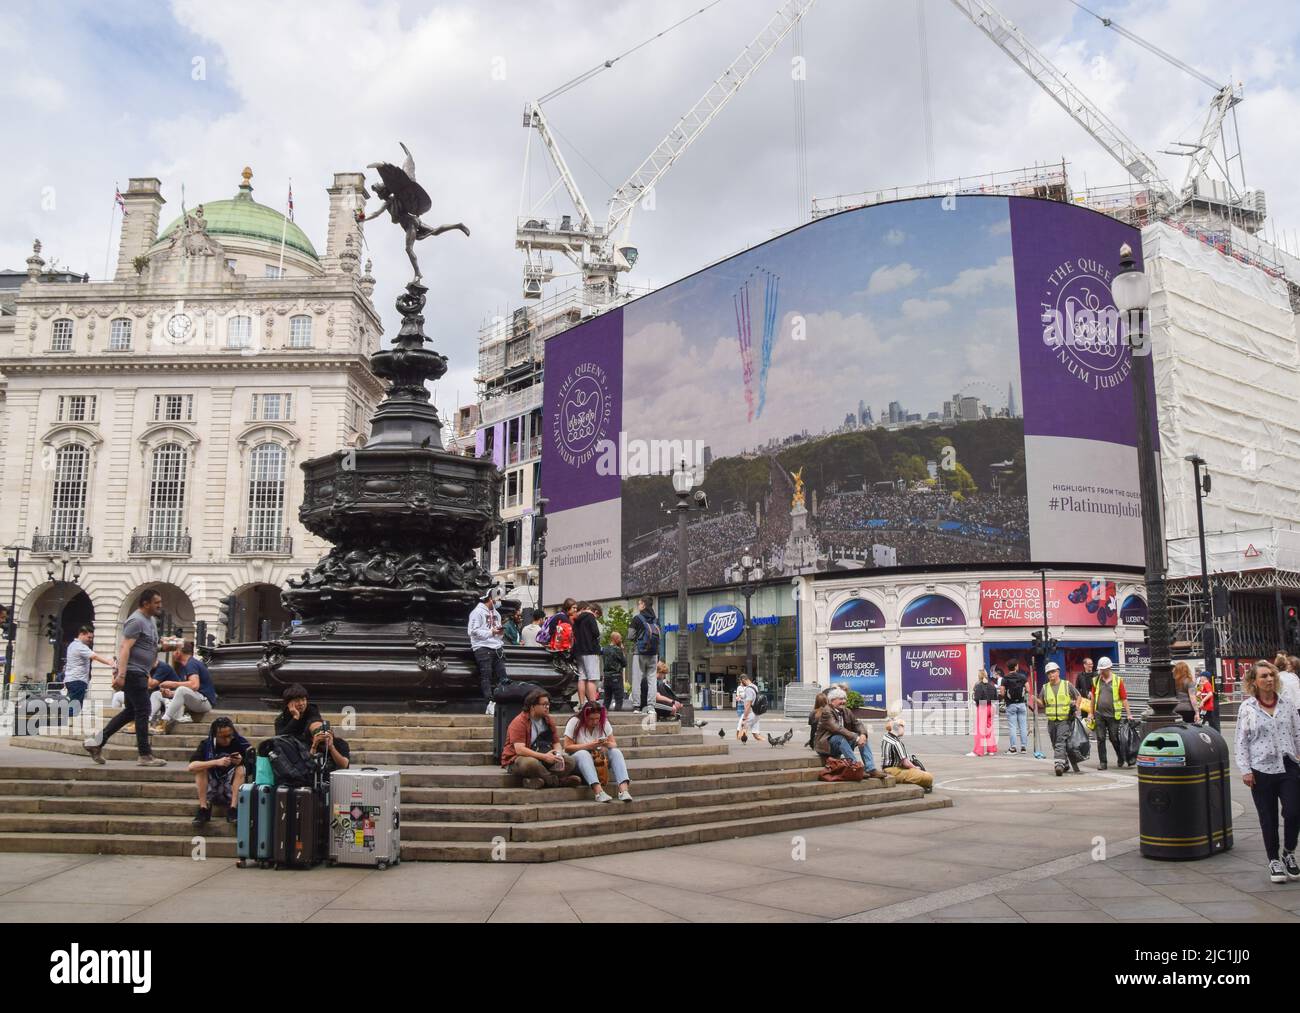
(609, 844)
(534, 807)
(613, 817)
(457, 805)
(217, 844)
(399, 719)
(125, 753)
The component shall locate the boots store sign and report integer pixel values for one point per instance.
(723, 624)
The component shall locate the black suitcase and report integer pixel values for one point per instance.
(301, 827)
(509, 701)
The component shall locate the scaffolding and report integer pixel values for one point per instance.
(1050, 182)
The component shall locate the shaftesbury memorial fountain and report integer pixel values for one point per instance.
(384, 613)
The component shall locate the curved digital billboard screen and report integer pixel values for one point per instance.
(922, 383)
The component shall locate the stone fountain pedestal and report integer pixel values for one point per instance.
(384, 613)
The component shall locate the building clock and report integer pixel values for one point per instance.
(178, 327)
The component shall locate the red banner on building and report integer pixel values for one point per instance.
(1069, 603)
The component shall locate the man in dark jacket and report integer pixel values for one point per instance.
(615, 661)
(299, 717)
(841, 734)
(644, 633)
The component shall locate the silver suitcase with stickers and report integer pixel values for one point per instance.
(365, 817)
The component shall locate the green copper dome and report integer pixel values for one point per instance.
(243, 217)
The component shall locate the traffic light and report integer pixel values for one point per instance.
(51, 634)
(1052, 645)
(227, 613)
(1219, 597)
(201, 632)
(10, 630)
(1293, 627)
(1038, 643)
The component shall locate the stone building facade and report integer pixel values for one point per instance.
(152, 426)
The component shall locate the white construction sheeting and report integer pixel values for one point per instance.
(1237, 551)
(1227, 363)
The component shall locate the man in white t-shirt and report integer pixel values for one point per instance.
(528, 635)
(76, 667)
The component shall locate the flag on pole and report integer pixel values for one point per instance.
(119, 200)
(284, 231)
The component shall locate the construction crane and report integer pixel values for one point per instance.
(593, 247)
(1226, 99)
(1007, 37)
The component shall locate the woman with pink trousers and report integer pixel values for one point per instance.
(986, 716)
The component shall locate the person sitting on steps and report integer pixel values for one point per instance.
(337, 752)
(841, 734)
(299, 716)
(533, 751)
(220, 765)
(818, 704)
(667, 706)
(589, 735)
(896, 761)
(188, 691)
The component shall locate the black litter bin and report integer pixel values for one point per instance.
(509, 700)
(1183, 793)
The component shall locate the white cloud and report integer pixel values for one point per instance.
(925, 309)
(305, 96)
(890, 279)
(975, 280)
(895, 237)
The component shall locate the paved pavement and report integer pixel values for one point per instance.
(1019, 844)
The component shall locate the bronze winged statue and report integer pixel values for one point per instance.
(405, 200)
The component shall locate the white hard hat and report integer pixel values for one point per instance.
(1104, 664)
(1052, 666)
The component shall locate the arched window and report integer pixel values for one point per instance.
(119, 336)
(266, 467)
(300, 331)
(167, 499)
(68, 514)
(239, 332)
(61, 336)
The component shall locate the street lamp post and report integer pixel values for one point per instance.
(11, 629)
(683, 482)
(747, 575)
(64, 559)
(539, 542)
(1208, 635)
(1131, 291)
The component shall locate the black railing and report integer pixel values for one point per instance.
(264, 545)
(145, 544)
(78, 544)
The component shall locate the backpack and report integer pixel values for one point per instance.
(648, 642)
(759, 706)
(547, 632)
(561, 639)
(291, 762)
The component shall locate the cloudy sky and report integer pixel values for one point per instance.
(190, 92)
(906, 302)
